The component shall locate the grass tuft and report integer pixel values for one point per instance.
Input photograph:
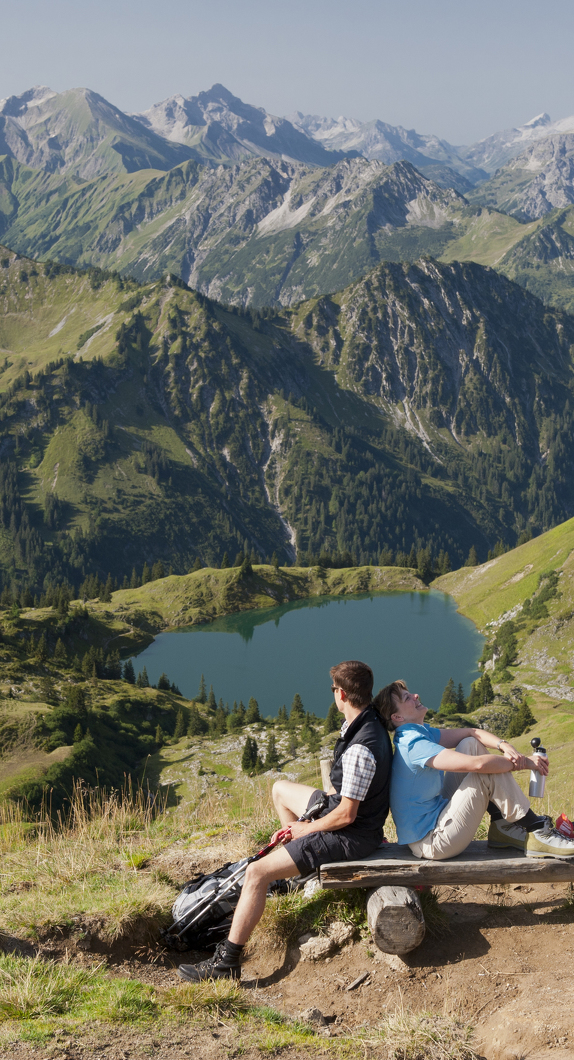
(33, 988)
(287, 916)
(222, 997)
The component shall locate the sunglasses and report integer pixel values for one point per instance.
(335, 688)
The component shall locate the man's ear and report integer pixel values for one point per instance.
(343, 694)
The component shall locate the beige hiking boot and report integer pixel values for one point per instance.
(503, 834)
(546, 842)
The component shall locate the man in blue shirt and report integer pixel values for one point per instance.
(444, 780)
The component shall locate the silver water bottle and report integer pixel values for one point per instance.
(537, 781)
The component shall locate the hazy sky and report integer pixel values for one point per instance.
(459, 68)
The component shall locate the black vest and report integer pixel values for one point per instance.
(367, 729)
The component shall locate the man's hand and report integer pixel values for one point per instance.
(301, 828)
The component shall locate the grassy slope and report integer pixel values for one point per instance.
(206, 594)
(544, 669)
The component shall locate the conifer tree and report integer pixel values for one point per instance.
(225, 561)
(60, 653)
(460, 700)
(271, 754)
(42, 649)
(282, 718)
(179, 726)
(202, 694)
(159, 736)
(448, 701)
(275, 560)
(297, 713)
(163, 684)
(333, 720)
(472, 558)
(78, 734)
(146, 574)
(134, 581)
(197, 565)
(211, 700)
(197, 724)
(250, 755)
(253, 714)
(129, 673)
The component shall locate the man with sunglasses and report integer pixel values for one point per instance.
(349, 827)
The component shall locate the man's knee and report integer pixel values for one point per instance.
(471, 746)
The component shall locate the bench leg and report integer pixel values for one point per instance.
(395, 919)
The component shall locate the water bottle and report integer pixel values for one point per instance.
(537, 781)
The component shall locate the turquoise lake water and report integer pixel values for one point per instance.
(272, 654)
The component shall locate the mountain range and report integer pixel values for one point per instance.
(257, 210)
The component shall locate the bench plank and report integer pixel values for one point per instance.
(396, 865)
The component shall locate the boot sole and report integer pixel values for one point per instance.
(205, 978)
(544, 854)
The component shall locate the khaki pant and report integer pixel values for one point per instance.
(469, 795)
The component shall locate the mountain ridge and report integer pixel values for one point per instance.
(413, 410)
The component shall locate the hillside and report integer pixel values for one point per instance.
(145, 423)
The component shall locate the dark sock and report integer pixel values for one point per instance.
(232, 954)
(531, 821)
(495, 814)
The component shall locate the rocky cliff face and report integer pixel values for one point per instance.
(537, 181)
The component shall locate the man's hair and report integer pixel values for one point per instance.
(356, 679)
(383, 702)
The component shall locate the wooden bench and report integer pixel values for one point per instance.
(394, 911)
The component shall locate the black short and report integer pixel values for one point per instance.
(320, 848)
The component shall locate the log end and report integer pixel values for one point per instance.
(396, 920)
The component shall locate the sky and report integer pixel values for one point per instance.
(456, 68)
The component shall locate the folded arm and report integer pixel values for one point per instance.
(452, 761)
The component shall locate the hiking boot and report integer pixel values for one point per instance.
(216, 967)
(546, 842)
(502, 834)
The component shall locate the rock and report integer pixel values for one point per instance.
(313, 1015)
(305, 938)
(340, 932)
(311, 888)
(317, 948)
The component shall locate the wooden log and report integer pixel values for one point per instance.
(397, 866)
(326, 766)
(395, 919)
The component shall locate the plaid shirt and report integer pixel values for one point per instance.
(359, 767)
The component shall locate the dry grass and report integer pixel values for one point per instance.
(426, 1036)
(84, 863)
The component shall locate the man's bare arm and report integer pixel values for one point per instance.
(340, 817)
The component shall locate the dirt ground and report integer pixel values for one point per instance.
(503, 958)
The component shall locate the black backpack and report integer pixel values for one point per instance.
(202, 913)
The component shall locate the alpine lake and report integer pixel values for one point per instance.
(273, 653)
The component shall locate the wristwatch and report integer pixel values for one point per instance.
(499, 744)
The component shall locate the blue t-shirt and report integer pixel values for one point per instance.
(416, 799)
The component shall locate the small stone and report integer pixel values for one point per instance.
(313, 1015)
(340, 932)
(317, 948)
(311, 888)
